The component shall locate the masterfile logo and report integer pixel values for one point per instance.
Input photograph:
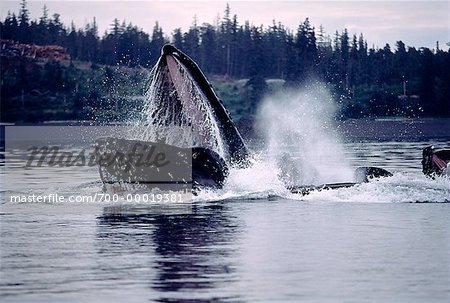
(106, 155)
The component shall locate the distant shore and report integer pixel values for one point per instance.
(382, 129)
(387, 129)
(395, 129)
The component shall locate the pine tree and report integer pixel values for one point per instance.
(156, 43)
(208, 49)
(177, 38)
(192, 41)
(344, 52)
(24, 15)
(24, 18)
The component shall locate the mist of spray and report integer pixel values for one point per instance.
(299, 132)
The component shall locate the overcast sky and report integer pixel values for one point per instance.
(416, 23)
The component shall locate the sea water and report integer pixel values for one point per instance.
(387, 240)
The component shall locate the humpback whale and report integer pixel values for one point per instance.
(185, 119)
(179, 97)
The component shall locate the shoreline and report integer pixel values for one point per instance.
(376, 129)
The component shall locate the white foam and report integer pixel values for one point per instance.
(402, 187)
(258, 181)
(300, 122)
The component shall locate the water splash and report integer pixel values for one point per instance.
(301, 123)
(301, 147)
(401, 188)
(299, 132)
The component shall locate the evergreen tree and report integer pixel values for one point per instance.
(305, 50)
(177, 38)
(208, 49)
(256, 86)
(156, 43)
(225, 37)
(344, 56)
(367, 80)
(427, 83)
(192, 41)
(24, 18)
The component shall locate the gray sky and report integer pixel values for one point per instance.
(416, 23)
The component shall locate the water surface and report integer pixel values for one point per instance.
(249, 243)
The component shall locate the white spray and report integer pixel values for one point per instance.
(299, 132)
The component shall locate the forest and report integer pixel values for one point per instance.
(103, 74)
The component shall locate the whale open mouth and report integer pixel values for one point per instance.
(183, 110)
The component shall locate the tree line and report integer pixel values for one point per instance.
(368, 81)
